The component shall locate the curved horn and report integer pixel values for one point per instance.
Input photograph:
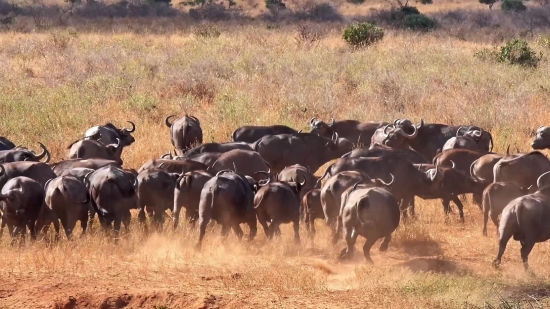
(3, 170)
(477, 133)
(45, 153)
(311, 120)
(508, 150)
(539, 184)
(196, 119)
(458, 131)
(408, 136)
(269, 177)
(396, 122)
(299, 131)
(387, 184)
(47, 183)
(331, 122)
(130, 130)
(517, 149)
(386, 128)
(302, 183)
(87, 179)
(421, 124)
(167, 121)
(335, 136)
(453, 163)
(224, 171)
(354, 186)
(166, 155)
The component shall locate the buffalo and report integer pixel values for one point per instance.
(156, 194)
(22, 200)
(173, 166)
(228, 198)
(306, 149)
(92, 149)
(250, 134)
(62, 167)
(527, 220)
(495, 197)
(542, 138)
(294, 172)
(24, 154)
(370, 211)
(216, 147)
(482, 168)
(279, 202)
(523, 170)
(68, 198)
(108, 133)
(184, 132)
(6, 144)
(244, 162)
(312, 209)
(38, 171)
(113, 194)
(359, 133)
(187, 194)
(379, 150)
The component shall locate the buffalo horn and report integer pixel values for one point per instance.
(331, 122)
(453, 163)
(45, 153)
(196, 120)
(312, 120)
(223, 172)
(539, 184)
(3, 170)
(388, 184)
(47, 183)
(167, 120)
(130, 130)
(458, 131)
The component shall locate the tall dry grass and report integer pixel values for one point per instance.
(56, 83)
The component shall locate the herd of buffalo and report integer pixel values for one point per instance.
(266, 176)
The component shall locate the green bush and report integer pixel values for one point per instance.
(419, 22)
(363, 34)
(543, 41)
(356, 1)
(514, 52)
(397, 14)
(513, 5)
(490, 3)
(517, 51)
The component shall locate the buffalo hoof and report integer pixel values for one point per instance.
(496, 263)
(344, 254)
(383, 247)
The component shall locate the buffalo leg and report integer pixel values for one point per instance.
(384, 245)
(351, 239)
(371, 240)
(296, 225)
(458, 203)
(117, 224)
(2, 227)
(494, 218)
(84, 225)
(504, 238)
(526, 247)
(263, 222)
(274, 229)
(176, 214)
(253, 225)
(485, 219)
(338, 231)
(238, 231)
(202, 230)
(126, 219)
(225, 229)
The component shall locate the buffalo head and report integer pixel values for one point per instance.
(320, 127)
(542, 138)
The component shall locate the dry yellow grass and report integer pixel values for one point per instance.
(56, 83)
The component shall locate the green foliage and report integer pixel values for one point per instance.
(517, 51)
(356, 1)
(275, 4)
(514, 52)
(419, 22)
(490, 3)
(513, 6)
(543, 41)
(363, 34)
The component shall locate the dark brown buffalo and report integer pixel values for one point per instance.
(295, 172)
(454, 183)
(156, 194)
(496, 196)
(108, 133)
(23, 154)
(461, 159)
(228, 199)
(216, 147)
(278, 203)
(379, 150)
(527, 219)
(523, 170)
(542, 138)
(78, 172)
(21, 202)
(461, 142)
(250, 134)
(68, 198)
(244, 162)
(358, 133)
(312, 209)
(62, 167)
(113, 194)
(91, 149)
(331, 194)
(306, 149)
(206, 158)
(429, 139)
(188, 195)
(173, 166)
(38, 171)
(408, 179)
(185, 132)
(6, 144)
(370, 211)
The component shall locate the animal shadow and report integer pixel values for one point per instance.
(435, 265)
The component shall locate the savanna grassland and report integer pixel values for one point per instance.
(59, 76)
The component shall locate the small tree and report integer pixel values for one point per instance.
(363, 34)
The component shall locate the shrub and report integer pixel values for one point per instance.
(207, 31)
(363, 34)
(513, 5)
(543, 41)
(517, 51)
(419, 22)
(356, 1)
(398, 14)
(490, 3)
(273, 4)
